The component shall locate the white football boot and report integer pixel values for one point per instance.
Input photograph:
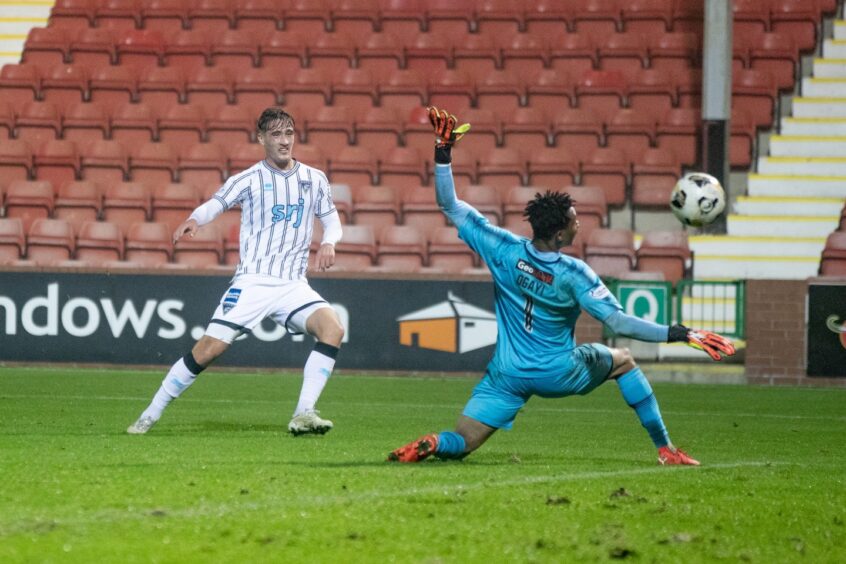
(141, 426)
(309, 422)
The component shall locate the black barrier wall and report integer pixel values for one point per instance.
(154, 319)
(826, 329)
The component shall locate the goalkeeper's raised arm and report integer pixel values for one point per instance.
(446, 135)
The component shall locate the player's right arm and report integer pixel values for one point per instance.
(227, 196)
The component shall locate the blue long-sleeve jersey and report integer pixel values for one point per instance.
(538, 295)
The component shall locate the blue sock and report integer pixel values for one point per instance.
(450, 445)
(638, 394)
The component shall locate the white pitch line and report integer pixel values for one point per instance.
(300, 502)
(450, 406)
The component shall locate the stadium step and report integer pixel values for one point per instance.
(785, 226)
(776, 205)
(834, 48)
(805, 107)
(807, 146)
(807, 167)
(733, 245)
(791, 186)
(840, 29)
(16, 21)
(813, 87)
(825, 127)
(830, 68)
(755, 267)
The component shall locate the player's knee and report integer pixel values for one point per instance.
(208, 349)
(623, 361)
(331, 332)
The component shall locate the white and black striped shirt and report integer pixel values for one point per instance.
(277, 216)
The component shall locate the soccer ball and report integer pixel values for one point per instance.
(697, 199)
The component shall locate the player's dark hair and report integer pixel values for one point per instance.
(547, 213)
(271, 116)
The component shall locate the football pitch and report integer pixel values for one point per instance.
(219, 480)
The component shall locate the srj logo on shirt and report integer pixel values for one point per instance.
(287, 213)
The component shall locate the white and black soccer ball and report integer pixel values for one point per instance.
(697, 199)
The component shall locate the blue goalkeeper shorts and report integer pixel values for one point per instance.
(497, 398)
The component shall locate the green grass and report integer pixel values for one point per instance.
(218, 479)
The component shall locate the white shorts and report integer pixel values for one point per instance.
(250, 299)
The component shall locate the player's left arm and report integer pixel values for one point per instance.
(332, 233)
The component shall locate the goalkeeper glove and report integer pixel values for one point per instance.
(447, 132)
(714, 345)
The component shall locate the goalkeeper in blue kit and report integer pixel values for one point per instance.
(539, 295)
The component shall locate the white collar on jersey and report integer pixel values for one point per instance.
(282, 172)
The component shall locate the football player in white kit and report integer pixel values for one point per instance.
(279, 197)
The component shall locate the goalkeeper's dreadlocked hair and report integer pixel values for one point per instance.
(547, 213)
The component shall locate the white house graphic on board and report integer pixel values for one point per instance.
(450, 326)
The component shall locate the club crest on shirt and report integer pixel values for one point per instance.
(305, 185)
(230, 300)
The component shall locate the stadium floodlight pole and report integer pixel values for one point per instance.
(716, 96)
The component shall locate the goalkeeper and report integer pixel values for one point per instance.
(539, 295)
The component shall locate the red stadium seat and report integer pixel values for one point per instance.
(573, 53)
(405, 18)
(29, 200)
(357, 250)
(550, 91)
(666, 252)
(548, 18)
(477, 56)
(653, 92)
(452, 89)
(799, 18)
(154, 163)
(331, 128)
(308, 89)
(133, 124)
(578, 130)
(356, 17)
(501, 92)
(85, 122)
(259, 87)
(674, 51)
(235, 49)
(210, 87)
(165, 16)
(353, 165)
(331, 53)
(243, 156)
(113, 85)
(750, 17)
(499, 17)
(403, 167)
(689, 16)
(73, 14)
(215, 16)
(514, 204)
(20, 83)
(380, 128)
(448, 252)
(163, 86)
(755, 92)
(12, 240)
(125, 203)
(202, 164)
(7, 120)
(259, 16)
(609, 169)
(743, 133)
(418, 129)
(599, 18)
(678, 131)
(623, 52)
(452, 17)
(553, 166)
(38, 122)
(46, 46)
(653, 176)
(104, 161)
(610, 252)
(602, 92)
(631, 131)
(591, 206)
(402, 247)
(138, 48)
(312, 17)
(181, 125)
(65, 84)
(778, 54)
(380, 53)
(487, 128)
(228, 125)
(203, 250)
(77, 202)
(16, 161)
(403, 89)
(527, 129)
(123, 15)
(93, 47)
(420, 209)
(354, 89)
(311, 155)
(501, 167)
(524, 53)
(49, 241)
(376, 206)
(57, 161)
(343, 200)
(284, 52)
(148, 244)
(99, 243)
(187, 49)
(648, 16)
(173, 202)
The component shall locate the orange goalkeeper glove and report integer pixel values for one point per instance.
(713, 344)
(448, 132)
